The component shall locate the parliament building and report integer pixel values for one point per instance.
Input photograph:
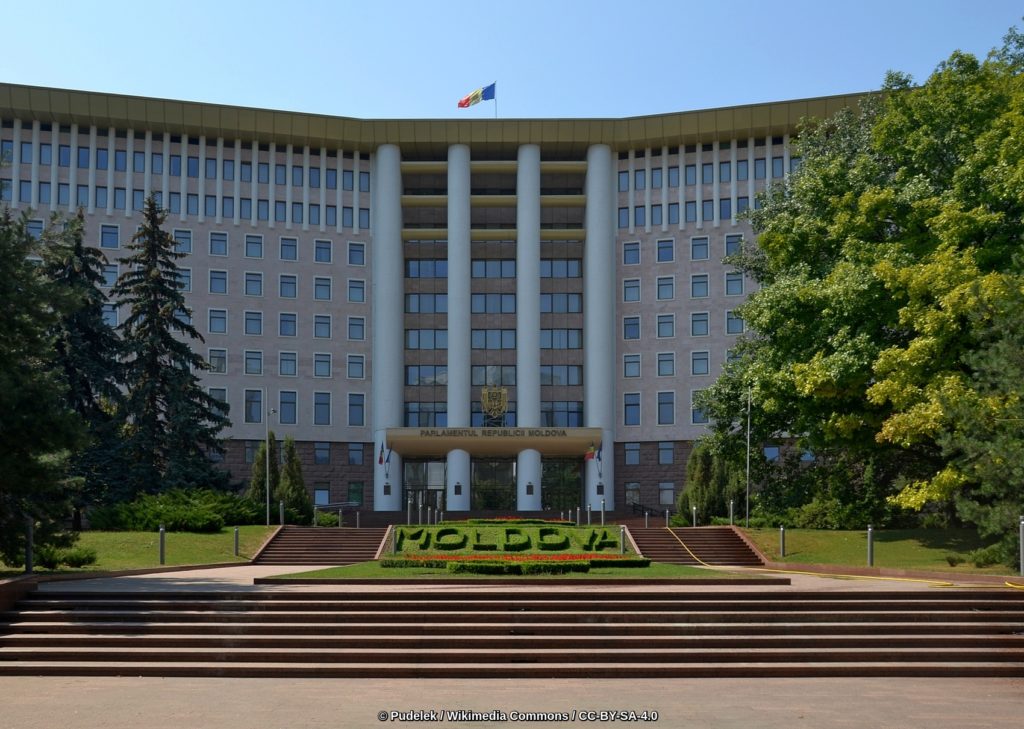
(507, 314)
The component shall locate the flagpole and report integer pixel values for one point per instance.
(495, 83)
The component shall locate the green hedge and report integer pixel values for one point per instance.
(624, 562)
(184, 510)
(399, 562)
(51, 558)
(450, 538)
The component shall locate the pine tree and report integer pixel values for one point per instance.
(37, 427)
(258, 480)
(292, 489)
(172, 424)
(86, 354)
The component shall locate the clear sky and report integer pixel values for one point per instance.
(550, 58)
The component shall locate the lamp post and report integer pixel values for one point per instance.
(749, 395)
(267, 474)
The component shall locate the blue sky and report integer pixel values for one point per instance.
(550, 58)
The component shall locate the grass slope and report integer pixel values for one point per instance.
(912, 549)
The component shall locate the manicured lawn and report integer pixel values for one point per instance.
(373, 570)
(135, 550)
(917, 549)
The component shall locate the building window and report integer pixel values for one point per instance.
(357, 291)
(250, 450)
(725, 208)
(321, 453)
(253, 284)
(623, 218)
(355, 454)
(357, 329)
(356, 254)
(322, 364)
(322, 326)
(640, 180)
(631, 289)
(109, 275)
(707, 173)
(287, 408)
(698, 249)
(254, 246)
(772, 453)
(632, 493)
(218, 282)
(321, 408)
(631, 253)
(673, 177)
(322, 251)
(741, 170)
(666, 494)
(631, 365)
(489, 268)
(254, 406)
(699, 285)
(697, 416)
(287, 364)
(733, 323)
(732, 244)
(492, 338)
(699, 363)
(356, 408)
(289, 249)
(631, 327)
(699, 324)
(109, 236)
(632, 453)
(288, 286)
(640, 216)
(759, 168)
(254, 323)
(218, 244)
(356, 367)
(666, 453)
(287, 324)
(666, 251)
(253, 363)
(666, 288)
(666, 408)
(110, 317)
(218, 321)
(623, 181)
(777, 167)
(631, 408)
(322, 289)
(708, 211)
(561, 413)
(673, 213)
(666, 325)
(691, 212)
(321, 494)
(733, 283)
(666, 364)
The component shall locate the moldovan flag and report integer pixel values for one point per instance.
(482, 94)
(590, 453)
(380, 458)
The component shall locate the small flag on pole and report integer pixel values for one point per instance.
(380, 458)
(485, 93)
(598, 455)
(590, 453)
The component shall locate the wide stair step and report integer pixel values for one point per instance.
(695, 546)
(294, 545)
(588, 631)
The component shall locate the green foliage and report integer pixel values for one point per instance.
(884, 267)
(711, 481)
(37, 427)
(190, 510)
(400, 563)
(51, 557)
(326, 519)
(292, 488)
(172, 423)
(450, 538)
(258, 480)
(554, 568)
(484, 568)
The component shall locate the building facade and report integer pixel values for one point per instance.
(485, 314)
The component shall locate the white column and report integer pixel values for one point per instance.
(305, 188)
(200, 179)
(91, 207)
(111, 151)
(322, 194)
(732, 177)
(289, 193)
(34, 167)
(699, 187)
(54, 175)
(219, 182)
(147, 175)
(599, 394)
(647, 190)
(528, 462)
(73, 172)
(663, 195)
(355, 191)
(165, 174)
(339, 166)
(750, 172)
(272, 184)
(236, 188)
(716, 184)
(387, 332)
(254, 185)
(785, 156)
(459, 254)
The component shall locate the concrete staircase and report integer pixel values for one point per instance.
(321, 546)
(712, 545)
(586, 631)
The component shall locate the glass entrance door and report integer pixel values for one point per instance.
(562, 484)
(494, 485)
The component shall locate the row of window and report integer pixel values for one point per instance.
(707, 212)
(665, 409)
(555, 375)
(665, 325)
(287, 363)
(700, 364)
(492, 303)
(707, 173)
(665, 249)
(493, 268)
(321, 452)
(699, 287)
(288, 324)
(553, 414)
(102, 200)
(299, 175)
(287, 284)
(287, 407)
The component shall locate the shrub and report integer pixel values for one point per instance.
(485, 568)
(624, 562)
(450, 538)
(554, 568)
(47, 556)
(189, 510)
(549, 539)
(326, 519)
(399, 562)
(520, 545)
(78, 556)
(954, 559)
(986, 556)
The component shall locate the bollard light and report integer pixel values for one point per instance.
(162, 545)
(408, 516)
(666, 518)
(1022, 546)
(694, 515)
(782, 541)
(730, 512)
(871, 546)
(588, 514)
(357, 520)
(647, 520)
(602, 512)
(236, 541)
(341, 517)
(280, 508)
(622, 539)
